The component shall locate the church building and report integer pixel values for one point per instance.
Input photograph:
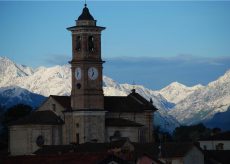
(86, 115)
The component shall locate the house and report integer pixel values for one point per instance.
(172, 153)
(140, 153)
(217, 156)
(216, 148)
(220, 141)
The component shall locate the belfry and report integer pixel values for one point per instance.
(87, 99)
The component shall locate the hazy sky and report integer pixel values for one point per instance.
(166, 33)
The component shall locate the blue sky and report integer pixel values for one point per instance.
(153, 43)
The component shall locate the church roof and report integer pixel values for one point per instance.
(64, 101)
(39, 117)
(120, 122)
(165, 150)
(85, 15)
(134, 102)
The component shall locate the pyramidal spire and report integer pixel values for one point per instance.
(85, 15)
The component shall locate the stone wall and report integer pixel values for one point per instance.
(194, 156)
(84, 126)
(22, 140)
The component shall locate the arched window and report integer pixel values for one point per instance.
(78, 43)
(40, 140)
(91, 43)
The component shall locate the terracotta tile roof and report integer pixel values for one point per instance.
(82, 148)
(40, 117)
(220, 136)
(168, 150)
(120, 122)
(70, 158)
(222, 156)
(88, 147)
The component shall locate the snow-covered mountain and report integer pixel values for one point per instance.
(57, 81)
(204, 102)
(188, 105)
(9, 69)
(175, 92)
(220, 119)
(10, 96)
(42, 81)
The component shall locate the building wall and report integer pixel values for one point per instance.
(22, 140)
(74, 124)
(211, 145)
(89, 125)
(194, 156)
(49, 105)
(131, 132)
(66, 129)
(145, 118)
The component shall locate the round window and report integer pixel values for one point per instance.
(40, 140)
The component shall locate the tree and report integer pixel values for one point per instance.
(191, 133)
(16, 112)
(12, 114)
(216, 131)
(161, 136)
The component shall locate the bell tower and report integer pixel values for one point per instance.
(87, 98)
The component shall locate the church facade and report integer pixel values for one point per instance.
(87, 115)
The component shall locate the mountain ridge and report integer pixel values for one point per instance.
(176, 101)
(204, 103)
(56, 80)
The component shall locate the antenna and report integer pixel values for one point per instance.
(85, 3)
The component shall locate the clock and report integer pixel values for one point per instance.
(92, 73)
(78, 73)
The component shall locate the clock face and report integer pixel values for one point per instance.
(78, 73)
(92, 73)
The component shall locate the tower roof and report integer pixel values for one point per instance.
(85, 15)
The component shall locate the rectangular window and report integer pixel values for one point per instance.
(54, 107)
(77, 138)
